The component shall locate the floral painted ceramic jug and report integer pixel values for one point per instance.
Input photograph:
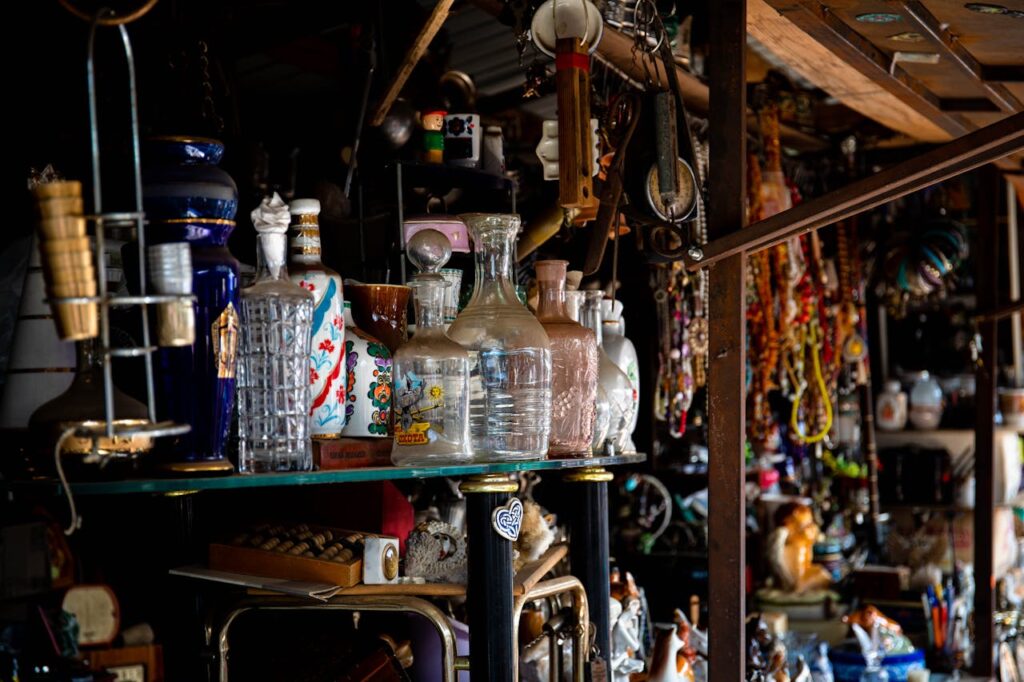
(327, 375)
(368, 383)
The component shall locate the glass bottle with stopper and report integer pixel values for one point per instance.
(273, 356)
(431, 371)
(616, 384)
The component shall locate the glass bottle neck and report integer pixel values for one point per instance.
(493, 253)
(590, 317)
(270, 256)
(305, 239)
(551, 303)
(428, 298)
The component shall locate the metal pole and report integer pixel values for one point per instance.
(984, 428)
(489, 590)
(588, 550)
(727, 338)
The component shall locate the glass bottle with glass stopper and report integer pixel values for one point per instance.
(613, 380)
(431, 371)
(509, 352)
(574, 362)
(273, 356)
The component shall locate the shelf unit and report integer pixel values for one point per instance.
(249, 481)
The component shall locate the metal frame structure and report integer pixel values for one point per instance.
(726, 254)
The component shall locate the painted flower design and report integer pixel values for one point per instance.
(307, 285)
(338, 323)
(313, 376)
(326, 345)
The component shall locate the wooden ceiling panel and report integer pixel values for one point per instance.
(803, 39)
(991, 38)
(944, 80)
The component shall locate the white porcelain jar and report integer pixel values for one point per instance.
(891, 407)
(925, 402)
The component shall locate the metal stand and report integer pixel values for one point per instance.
(492, 652)
(588, 549)
(111, 427)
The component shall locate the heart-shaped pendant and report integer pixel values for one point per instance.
(508, 519)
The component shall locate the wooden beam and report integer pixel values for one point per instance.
(727, 345)
(993, 73)
(616, 48)
(412, 57)
(848, 68)
(968, 104)
(830, 30)
(955, 52)
(940, 163)
(987, 284)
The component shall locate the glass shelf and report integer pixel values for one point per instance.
(238, 481)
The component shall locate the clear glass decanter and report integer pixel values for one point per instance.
(273, 367)
(613, 380)
(573, 366)
(431, 370)
(509, 352)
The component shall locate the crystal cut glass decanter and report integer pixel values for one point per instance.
(613, 380)
(431, 370)
(273, 359)
(509, 352)
(574, 362)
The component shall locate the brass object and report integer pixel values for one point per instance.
(462, 663)
(386, 603)
(111, 19)
(224, 337)
(489, 483)
(589, 475)
(215, 466)
(117, 445)
(389, 560)
(580, 609)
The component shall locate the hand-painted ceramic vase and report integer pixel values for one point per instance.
(327, 351)
(181, 179)
(368, 383)
(196, 384)
(623, 353)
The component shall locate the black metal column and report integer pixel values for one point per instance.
(489, 591)
(588, 550)
(987, 279)
(727, 344)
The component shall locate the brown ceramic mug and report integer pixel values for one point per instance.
(381, 310)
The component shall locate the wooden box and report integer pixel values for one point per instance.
(251, 561)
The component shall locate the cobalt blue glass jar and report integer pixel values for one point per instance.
(181, 179)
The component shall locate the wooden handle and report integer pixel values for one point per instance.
(575, 165)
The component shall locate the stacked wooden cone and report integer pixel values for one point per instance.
(67, 258)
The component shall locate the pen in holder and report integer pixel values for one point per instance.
(170, 271)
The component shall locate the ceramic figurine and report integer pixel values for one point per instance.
(791, 550)
(667, 662)
(627, 649)
(327, 351)
(433, 135)
(892, 639)
(367, 384)
(436, 551)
